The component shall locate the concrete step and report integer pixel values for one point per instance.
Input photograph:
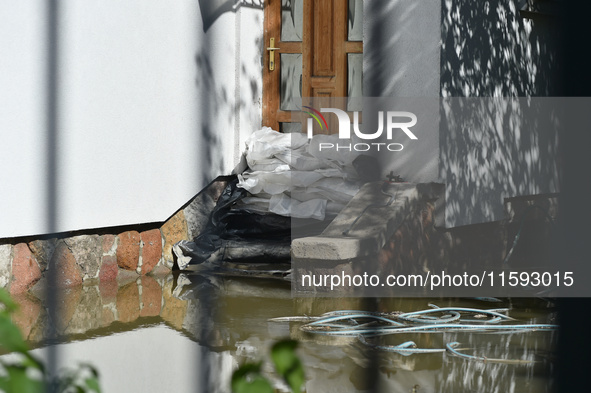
(363, 226)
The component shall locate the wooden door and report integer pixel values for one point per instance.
(314, 46)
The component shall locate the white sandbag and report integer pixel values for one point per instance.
(265, 143)
(279, 181)
(286, 206)
(304, 194)
(302, 161)
(342, 155)
(269, 165)
(296, 178)
(268, 182)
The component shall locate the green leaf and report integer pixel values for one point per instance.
(10, 336)
(93, 384)
(246, 369)
(283, 355)
(32, 361)
(7, 301)
(256, 384)
(92, 369)
(17, 381)
(248, 379)
(296, 377)
(287, 363)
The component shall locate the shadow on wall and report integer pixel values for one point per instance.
(495, 148)
(489, 50)
(228, 81)
(401, 48)
(492, 149)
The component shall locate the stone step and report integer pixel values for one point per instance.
(364, 225)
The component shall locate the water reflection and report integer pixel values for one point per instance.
(150, 330)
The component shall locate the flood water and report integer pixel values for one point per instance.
(188, 333)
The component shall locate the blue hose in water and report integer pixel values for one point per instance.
(385, 330)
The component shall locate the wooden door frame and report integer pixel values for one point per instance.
(272, 113)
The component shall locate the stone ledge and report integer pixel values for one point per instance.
(365, 224)
(104, 255)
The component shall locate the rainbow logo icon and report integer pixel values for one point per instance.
(315, 115)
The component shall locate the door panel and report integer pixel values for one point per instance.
(291, 78)
(314, 41)
(292, 25)
(355, 20)
(321, 28)
(354, 80)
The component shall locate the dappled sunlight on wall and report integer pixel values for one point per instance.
(489, 50)
(496, 148)
(229, 83)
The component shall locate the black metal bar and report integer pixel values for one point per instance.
(52, 124)
(574, 342)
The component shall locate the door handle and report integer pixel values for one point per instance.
(272, 50)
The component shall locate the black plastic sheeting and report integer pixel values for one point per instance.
(239, 226)
(248, 236)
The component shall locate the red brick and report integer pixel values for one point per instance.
(27, 314)
(128, 251)
(108, 241)
(109, 268)
(108, 291)
(68, 272)
(25, 271)
(151, 250)
(128, 303)
(151, 297)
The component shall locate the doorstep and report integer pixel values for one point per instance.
(362, 228)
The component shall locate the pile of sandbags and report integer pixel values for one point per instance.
(290, 189)
(289, 175)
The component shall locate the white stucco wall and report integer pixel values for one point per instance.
(155, 99)
(402, 48)
(401, 59)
